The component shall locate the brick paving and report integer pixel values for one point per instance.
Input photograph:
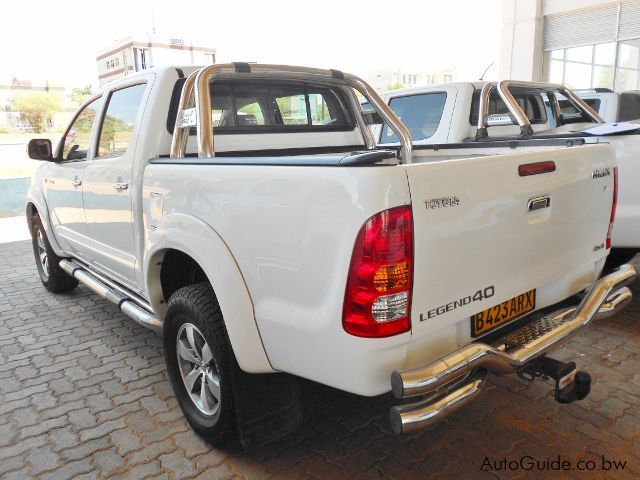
(83, 394)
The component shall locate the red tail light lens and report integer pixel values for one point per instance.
(614, 204)
(378, 295)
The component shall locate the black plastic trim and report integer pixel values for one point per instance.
(288, 152)
(242, 67)
(361, 158)
(510, 143)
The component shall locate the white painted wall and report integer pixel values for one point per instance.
(521, 40)
(521, 53)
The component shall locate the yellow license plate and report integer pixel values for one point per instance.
(497, 315)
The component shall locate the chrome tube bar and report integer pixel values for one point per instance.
(196, 89)
(604, 298)
(514, 108)
(388, 116)
(416, 416)
(483, 109)
(128, 304)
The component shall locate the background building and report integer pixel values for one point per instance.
(581, 43)
(133, 54)
(10, 86)
(384, 78)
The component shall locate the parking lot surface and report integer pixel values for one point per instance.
(83, 394)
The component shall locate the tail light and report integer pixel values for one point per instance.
(378, 295)
(614, 204)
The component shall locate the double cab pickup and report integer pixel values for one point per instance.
(245, 211)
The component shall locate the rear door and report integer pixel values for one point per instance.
(108, 184)
(485, 232)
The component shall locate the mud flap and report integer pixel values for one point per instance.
(267, 406)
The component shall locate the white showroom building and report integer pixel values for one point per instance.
(581, 43)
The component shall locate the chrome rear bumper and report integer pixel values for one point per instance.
(457, 378)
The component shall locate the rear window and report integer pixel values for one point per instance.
(531, 104)
(267, 107)
(567, 108)
(421, 114)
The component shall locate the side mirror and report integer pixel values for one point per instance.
(40, 149)
(499, 119)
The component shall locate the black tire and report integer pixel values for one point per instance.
(617, 257)
(52, 276)
(196, 305)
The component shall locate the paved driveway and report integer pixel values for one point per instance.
(83, 394)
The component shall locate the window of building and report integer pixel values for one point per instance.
(119, 120)
(420, 113)
(78, 138)
(614, 65)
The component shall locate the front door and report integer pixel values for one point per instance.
(108, 185)
(63, 182)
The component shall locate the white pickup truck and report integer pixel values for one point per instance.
(293, 245)
(611, 106)
(487, 117)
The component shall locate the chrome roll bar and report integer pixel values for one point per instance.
(197, 90)
(503, 87)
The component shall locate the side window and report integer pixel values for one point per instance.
(421, 114)
(119, 120)
(78, 139)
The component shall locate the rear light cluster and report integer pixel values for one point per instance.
(614, 204)
(378, 294)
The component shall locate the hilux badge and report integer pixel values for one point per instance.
(442, 202)
(601, 172)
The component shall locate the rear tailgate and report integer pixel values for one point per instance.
(478, 242)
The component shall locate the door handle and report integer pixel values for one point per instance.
(121, 186)
(76, 182)
(538, 203)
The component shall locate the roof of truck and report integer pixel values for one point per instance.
(433, 86)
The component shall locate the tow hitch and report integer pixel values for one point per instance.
(571, 384)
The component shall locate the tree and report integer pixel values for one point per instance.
(79, 95)
(396, 86)
(36, 108)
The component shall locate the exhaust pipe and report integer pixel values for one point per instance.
(416, 416)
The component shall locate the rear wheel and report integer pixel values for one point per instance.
(199, 362)
(52, 276)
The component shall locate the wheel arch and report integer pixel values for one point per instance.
(36, 203)
(185, 246)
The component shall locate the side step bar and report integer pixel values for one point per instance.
(133, 308)
(453, 380)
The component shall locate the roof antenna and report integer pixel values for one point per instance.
(485, 71)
